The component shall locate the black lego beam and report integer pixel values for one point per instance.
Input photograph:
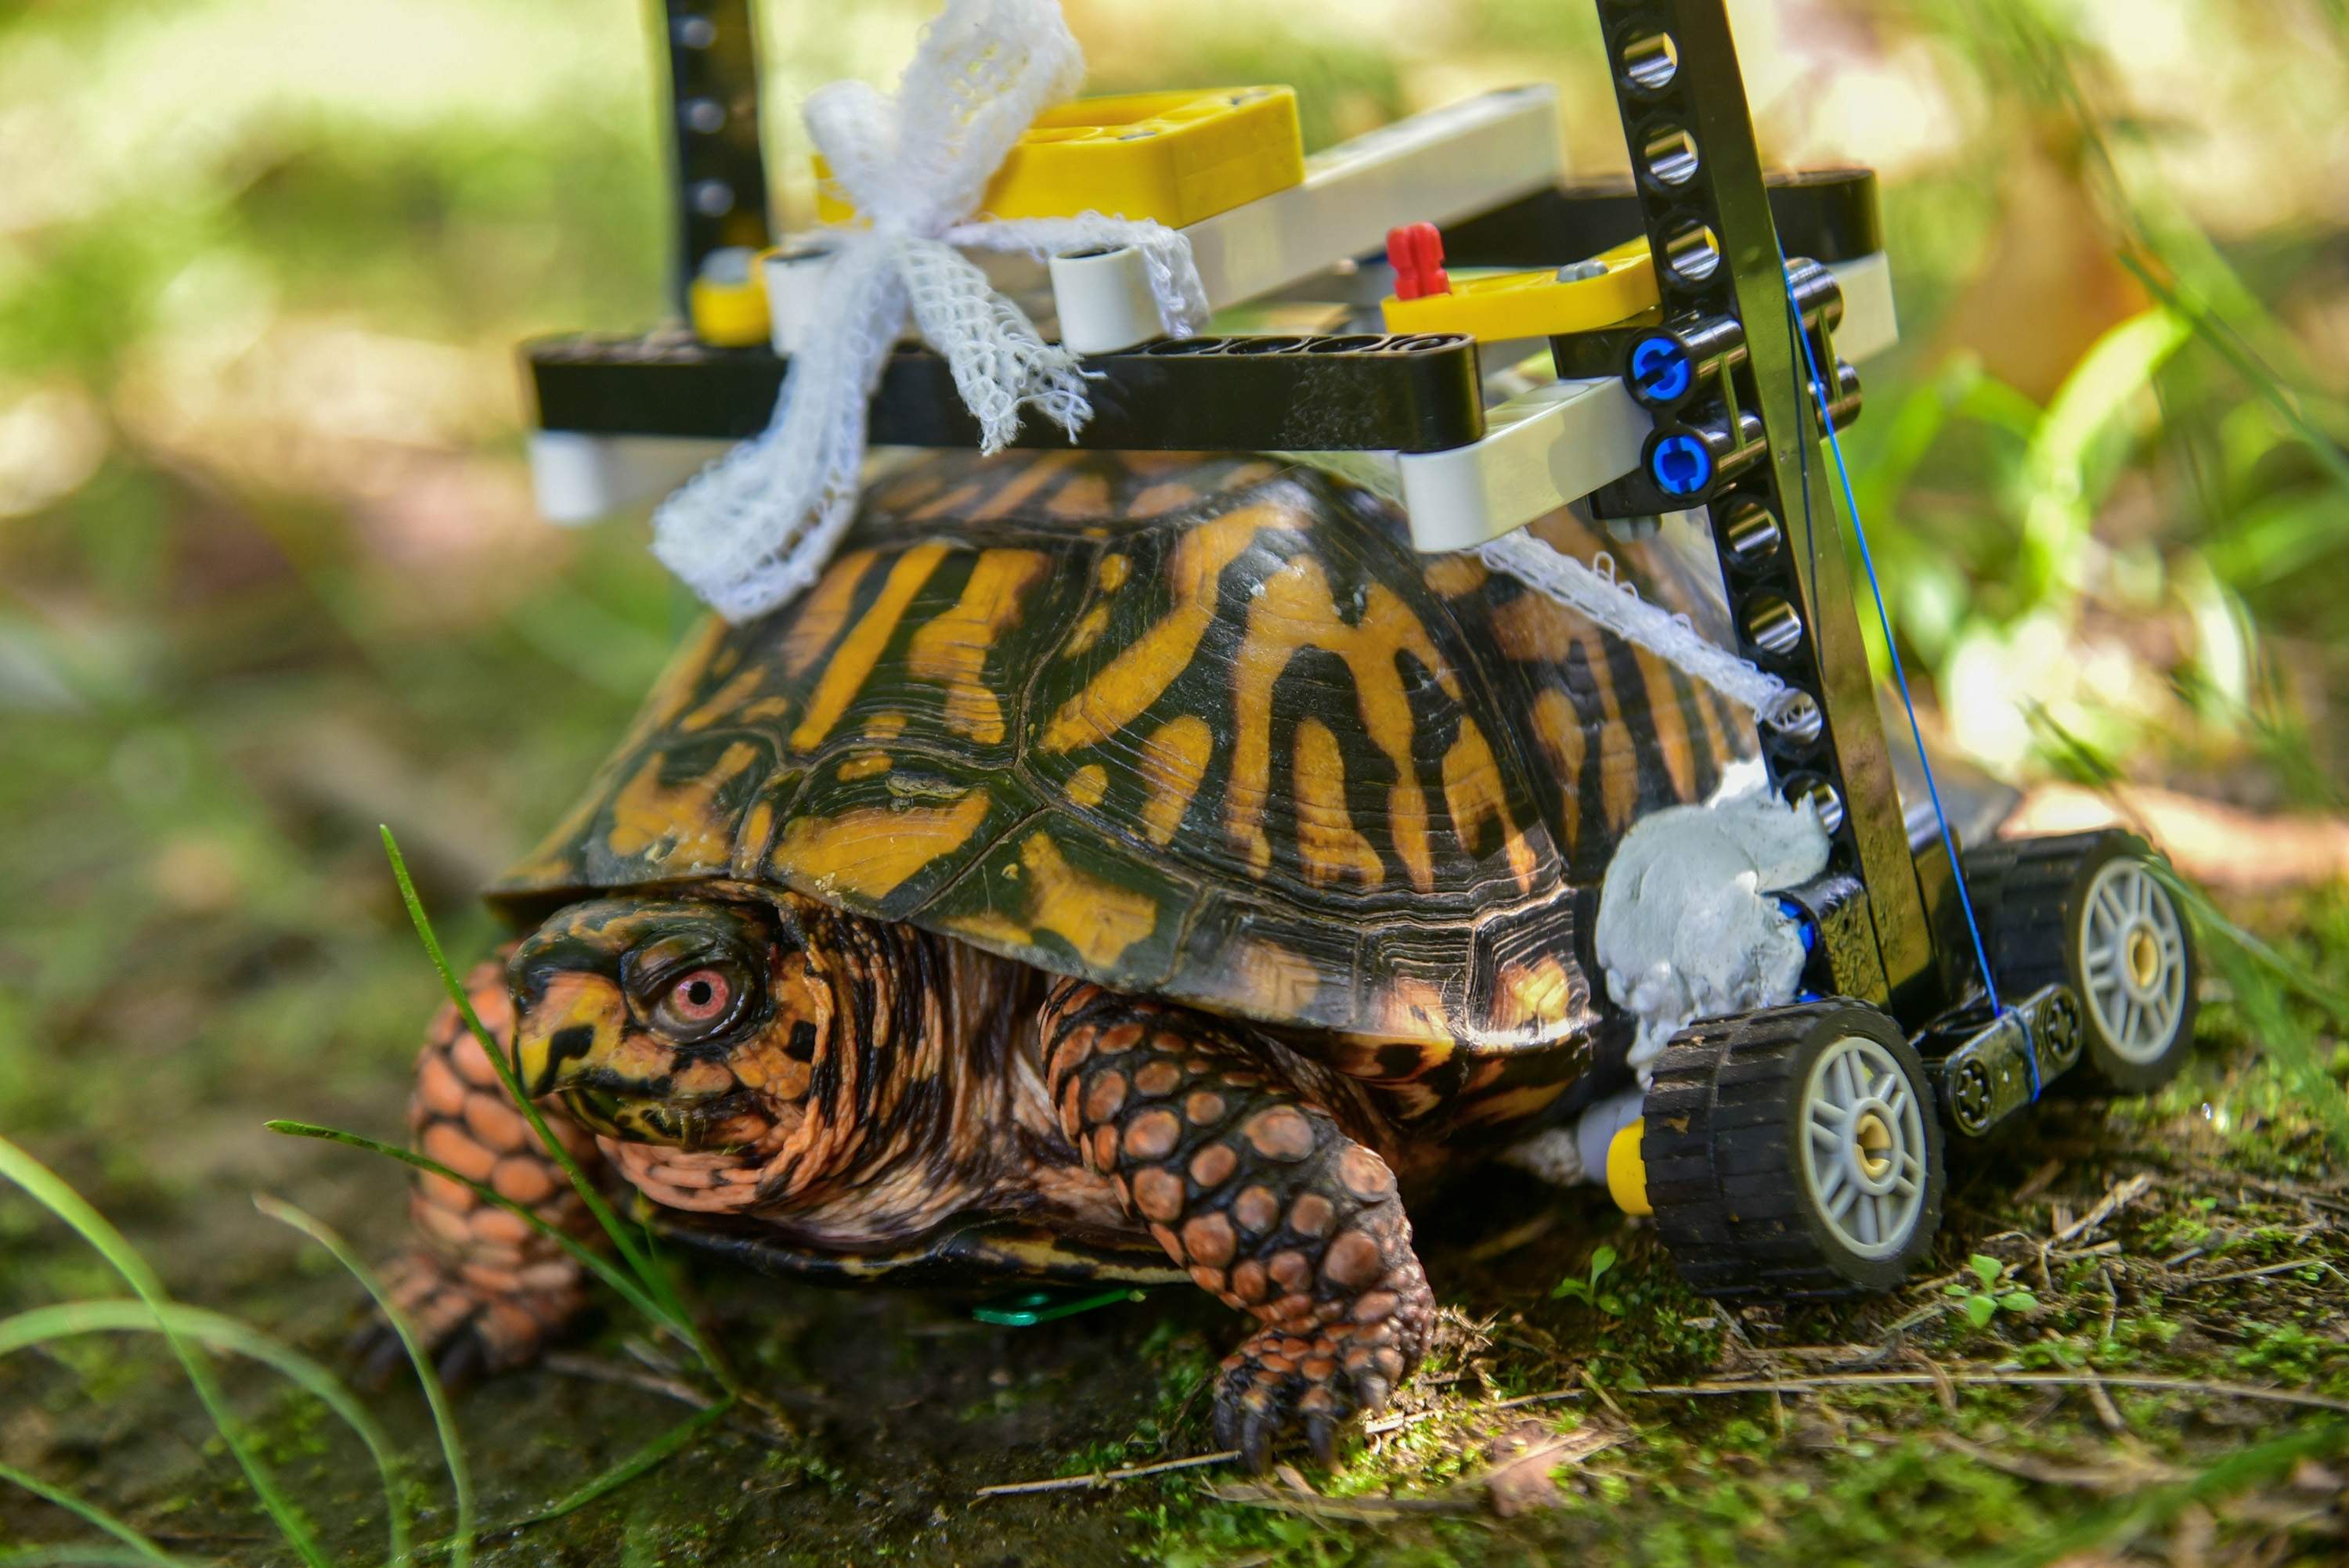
(1709, 222)
(1356, 393)
(1826, 214)
(721, 177)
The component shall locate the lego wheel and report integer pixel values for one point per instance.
(2092, 909)
(1793, 1152)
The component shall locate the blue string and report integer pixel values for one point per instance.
(1899, 676)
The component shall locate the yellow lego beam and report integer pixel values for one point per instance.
(1175, 157)
(1612, 286)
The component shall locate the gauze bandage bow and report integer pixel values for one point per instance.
(756, 526)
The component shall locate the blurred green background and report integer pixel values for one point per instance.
(271, 574)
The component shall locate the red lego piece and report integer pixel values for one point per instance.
(1415, 252)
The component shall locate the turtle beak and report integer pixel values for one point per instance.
(571, 1029)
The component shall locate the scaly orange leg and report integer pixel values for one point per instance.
(485, 1290)
(1261, 1195)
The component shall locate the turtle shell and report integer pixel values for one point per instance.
(1203, 727)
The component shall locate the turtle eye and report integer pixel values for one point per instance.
(698, 1003)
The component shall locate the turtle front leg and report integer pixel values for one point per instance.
(485, 1289)
(1259, 1193)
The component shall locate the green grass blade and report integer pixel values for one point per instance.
(224, 1332)
(2155, 1506)
(2262, 380)
(47, 1189)
(612, 1479)
(600, 1266)
(2066, 469)
(93, 1556)
(2259, 976)
(656, 1281)
(634, 1465)
(452, 1450)
(2292, 976)
(140, 1549)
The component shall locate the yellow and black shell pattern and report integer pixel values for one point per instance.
(1201, 728)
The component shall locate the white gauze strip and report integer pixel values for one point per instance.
(1593, 591)
(757, 526)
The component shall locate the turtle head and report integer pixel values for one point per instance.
(693, 1022)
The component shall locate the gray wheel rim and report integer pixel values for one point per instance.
(2133, 961)
(1864, 1147)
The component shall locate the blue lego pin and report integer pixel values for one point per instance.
(1681, 465)
(1659, 370)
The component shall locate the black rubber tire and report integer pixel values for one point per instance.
(2031, 898)
(1721, 1142)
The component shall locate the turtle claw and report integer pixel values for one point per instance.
(463, 1361)
(1321, 1437)
(1276, 1383)
(378, 1351)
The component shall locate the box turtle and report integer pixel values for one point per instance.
(1117, 866)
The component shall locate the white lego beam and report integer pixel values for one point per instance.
(1870, 325)
(1558, 443)
(1440, 167)
(1542, 448)
(578, 478)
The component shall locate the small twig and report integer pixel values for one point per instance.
(1551, 1398)
(2051, 1379)
(1931, 1309)
(2317, 1198)
(1107, 1477)
(2141, 1473)
(2106, 1411)
(765, 1421)
(2191, 1281)
(1943, 1389)
(572, 1365)
(1604, 1397)
(1313, 1505)
(2038, 1181)
(2123, 1194)
(1379, 1427)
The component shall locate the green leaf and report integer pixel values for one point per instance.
(1571, 1287)
(1987, 1269)
(1979, 1310)
(1601, 1261)
(2018, 1301)
(1612, 1305)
